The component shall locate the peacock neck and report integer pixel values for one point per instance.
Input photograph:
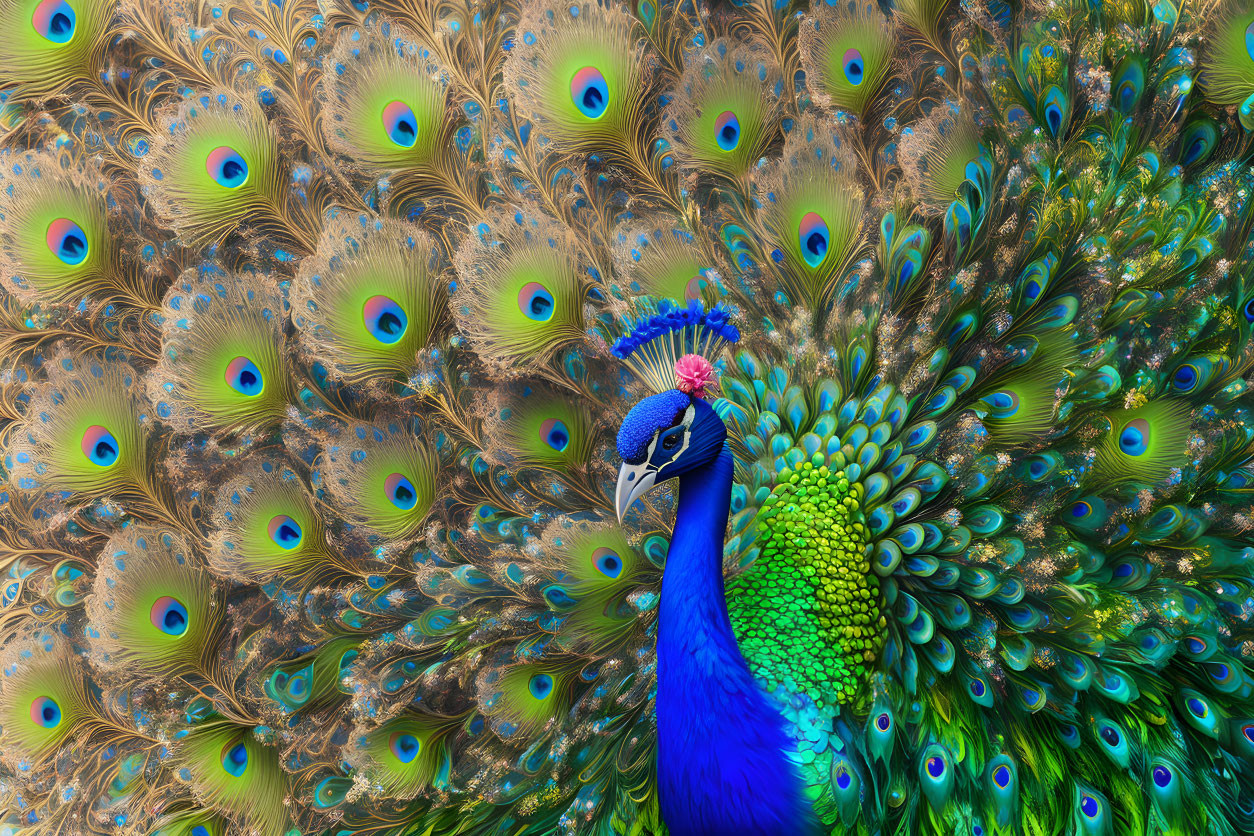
(721, 761)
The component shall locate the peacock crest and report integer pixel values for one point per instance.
(517, 417)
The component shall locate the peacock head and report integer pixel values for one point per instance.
(664, 436)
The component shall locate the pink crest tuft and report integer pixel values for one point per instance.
(695, 375)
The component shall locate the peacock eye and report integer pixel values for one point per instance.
(400, 124)
(227, 168)
(285, 532)
(669, 442)
(405, 747)
(535, 302)
(54, 21)
(554, 433)
(45, 712)
(100, 447)
(727, 131)
(854, 66)
(235, 759)
(540, 685)
(169, 616)
(67, 241)
(590, 92)
(1134, 437)
(813, 236)
(385, 319)
(400, 491)
(244, 377)
(608, 562)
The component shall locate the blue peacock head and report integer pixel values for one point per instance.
(676, 430)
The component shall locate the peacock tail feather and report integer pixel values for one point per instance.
(520, 296)
(221, 366)
(43, 703)
(578, 72)
(448, 418)
(232, 772)
(84, 435)
(372, 299)
(384, 478)
(216, 164)
(267, 525)
(727, 111)
(811, 218)
(153, 608)
(847, 49)
(385, 103)
(50, 44)
(55, 239)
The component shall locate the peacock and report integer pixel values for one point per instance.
(588, 418)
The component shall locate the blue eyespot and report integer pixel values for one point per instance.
(727, 131)
(883, 722)
(1134, 437)
(405, 747)
(285, 531)
(67, 241)
(385, 320)
(1003, 404)
(54, 21)
(244, 377)
(1110, 735)
(400, 124)
(1249, 41)
(1197, 708)
(201, 830)
(169, 616)
(1185, 378)
(1001, 776)
(100, 447)
(400, 491)
(45, 713)
(541, 685)
(853, 65)
(1248, 310)
(590, 92)
(814, 238)
(608, 562)
(227, 168)
(1089, 806)
(1162, 776)
(843, 780)
(935, 766)
(978, 688)
(535, 301)
(235, 759)
(554, 433)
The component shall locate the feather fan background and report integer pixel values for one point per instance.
(307, 523)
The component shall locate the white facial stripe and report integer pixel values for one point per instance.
(690, 415)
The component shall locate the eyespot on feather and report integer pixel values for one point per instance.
(590, 92)
(55, 21)
(67, 241)
(244, 377)
(285, 531)
(100, 447)
(227, 168)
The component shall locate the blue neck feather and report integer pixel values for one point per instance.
(721, 762)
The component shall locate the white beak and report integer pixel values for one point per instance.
(634, 481)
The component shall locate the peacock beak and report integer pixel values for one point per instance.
(634, 481)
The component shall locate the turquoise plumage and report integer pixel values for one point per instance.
(528, 418)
